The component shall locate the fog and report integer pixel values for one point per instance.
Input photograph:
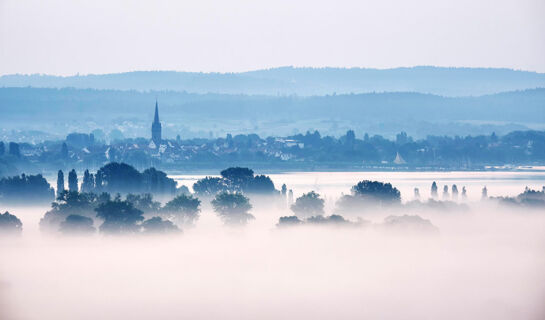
(485, 263)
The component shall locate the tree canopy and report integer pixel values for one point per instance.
(119, 217)
(233, 208)
(309, 204)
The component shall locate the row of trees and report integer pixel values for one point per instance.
(75, 212)
(119, 178)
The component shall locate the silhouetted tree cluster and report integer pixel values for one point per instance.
(71, 203)
(309, 204)
(120, 217)
(235, 179)
(157, 225)
(27, 189)
(184, 208)
(529, 198)
(368, 193)
(120, 178)
(319, 220)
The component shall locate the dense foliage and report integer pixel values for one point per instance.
(235, 179)
(309, 204)
(232, 208)
(10, 224)
(27, 189)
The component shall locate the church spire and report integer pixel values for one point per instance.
(156, 126)
(156, 119)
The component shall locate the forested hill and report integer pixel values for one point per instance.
(301, 81)
(382, 113)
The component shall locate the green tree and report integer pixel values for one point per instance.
(378, 191)
(144, 202)
(233, 208)
(120, 217)
(72, 181)
(60, 183)
(88, 183)
(156, 225)
(237, 178)
(309, 204)
(183, 207)
(209, 186)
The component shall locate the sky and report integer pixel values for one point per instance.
(106, 36)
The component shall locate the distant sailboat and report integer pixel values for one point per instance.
(399, 159)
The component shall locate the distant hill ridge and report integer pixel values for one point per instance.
(454, 82)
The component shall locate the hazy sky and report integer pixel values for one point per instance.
(100, 36)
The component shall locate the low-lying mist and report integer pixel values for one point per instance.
(483, 263)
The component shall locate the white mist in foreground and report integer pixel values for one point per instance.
(482, 265)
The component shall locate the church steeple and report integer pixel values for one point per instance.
(156, 127)
(156, 119)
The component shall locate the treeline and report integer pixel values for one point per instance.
(112, 178)
(77, 212)
(119, 178)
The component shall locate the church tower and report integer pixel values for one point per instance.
(156, 127)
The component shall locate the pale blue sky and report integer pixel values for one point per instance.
(102, 36)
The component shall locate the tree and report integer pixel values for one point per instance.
(464, 193)
(484, 193)
(379, 191)
(88, 184)
(98, 182)
(368, 193)
(119, 177)
(209, 186)
(284, 190)
(26, 189)
(333, 219)
(434, 190)
(289, 221)
(232, 208)
(184, 207)
(309, 204)
(76, 224)
(71, 203)
(73, 181)
(261, 184)
(156, 225)
(119, 217)
(416, 193)
(2, 148)
(157, 182)
(60, 183)
(237, 178)
(10, 224)
(144, 202)
(445, 192)
(454, 192)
